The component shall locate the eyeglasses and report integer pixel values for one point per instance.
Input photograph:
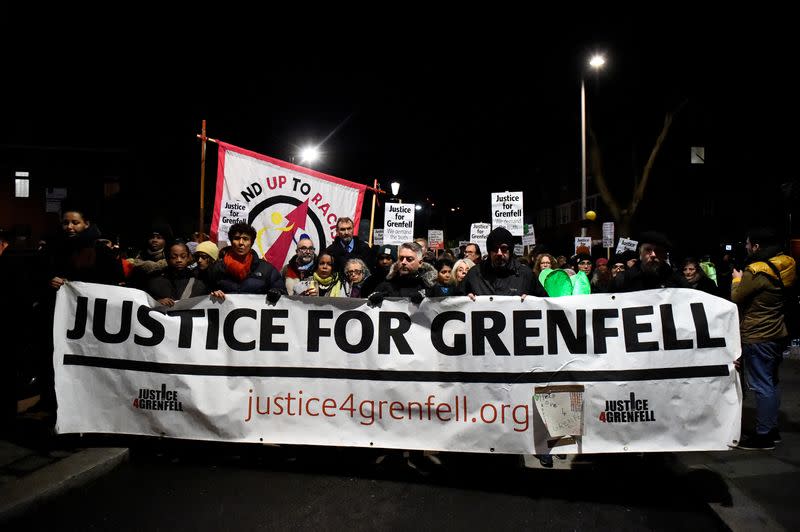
(503, 248)
(406, 259)
(305, 248)
(618, 267)
(354, 272)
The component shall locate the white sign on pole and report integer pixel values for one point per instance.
(608, 235)
(585, 241)
(377, 237)
(626, 244)
(519, 250)
(478, 233)
(507, 211)
(529, 238)
(435, 239)
(398, 223)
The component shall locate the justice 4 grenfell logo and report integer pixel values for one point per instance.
(631, 410)
(158, 399)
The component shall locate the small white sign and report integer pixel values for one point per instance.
(435, 239)
(478, 233)
(561, 409)
(519, 250)
(698, 155)
(507, 211)
(398, 223)
(626, 244)
(529, 237)
(608, 235)
(585, 241)
(377, 237)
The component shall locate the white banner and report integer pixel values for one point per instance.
(507, 211)
(398, 223)
(478, 233)
(633, 372)
(281, 200)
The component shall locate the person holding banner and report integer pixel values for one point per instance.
(177, 281)
(409, 276)
(300, 267)
(355, 273)
(239, 269)
(501, 274)
(346, 246)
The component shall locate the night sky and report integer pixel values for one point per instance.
(452, 109)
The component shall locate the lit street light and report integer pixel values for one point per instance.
(597, 61)
(309, 154)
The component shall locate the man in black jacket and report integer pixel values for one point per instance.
(502, 274)
(409, 276)
(346, 246)
(652, 270)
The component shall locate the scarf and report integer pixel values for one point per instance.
(331, 285)
(239, 269)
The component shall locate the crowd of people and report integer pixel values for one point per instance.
(171, 269)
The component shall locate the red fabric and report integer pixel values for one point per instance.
(238, 268)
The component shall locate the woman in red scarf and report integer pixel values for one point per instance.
(239, 270)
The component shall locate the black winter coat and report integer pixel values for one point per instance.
(263, 276)
(514, 279)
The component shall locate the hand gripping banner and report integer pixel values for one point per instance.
(281, 200)
(638, 372)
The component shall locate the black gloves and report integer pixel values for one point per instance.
(417, 298)
(273, 295)
(375, 298)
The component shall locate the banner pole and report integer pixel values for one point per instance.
(372, 214)
(202, 179)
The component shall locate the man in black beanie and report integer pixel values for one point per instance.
(652, 270)
(502, 274)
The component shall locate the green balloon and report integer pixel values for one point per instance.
(580, 284)
(556, 282)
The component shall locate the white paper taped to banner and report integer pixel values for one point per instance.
(637, 372)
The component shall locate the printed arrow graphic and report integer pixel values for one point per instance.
(276, 254)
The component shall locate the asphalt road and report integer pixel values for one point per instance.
(197, 486)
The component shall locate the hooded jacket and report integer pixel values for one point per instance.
(760, 298)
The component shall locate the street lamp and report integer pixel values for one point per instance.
(596, 62)
(309, 154)
(395, 188)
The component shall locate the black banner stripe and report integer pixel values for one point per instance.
(651, 374)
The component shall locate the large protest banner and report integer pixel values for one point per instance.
(281, 200)
(637, 372)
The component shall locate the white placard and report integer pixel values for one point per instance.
(626, 244)
(585, 241)
(519, 250)
(507, 211)
(435, 239)
(377, 237)
(458, 375)
(398, 223)
(478, 233)
(608, 235)
(529, 238)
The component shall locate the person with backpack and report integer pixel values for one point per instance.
(761, 291)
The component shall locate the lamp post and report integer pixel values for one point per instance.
(596, 62)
